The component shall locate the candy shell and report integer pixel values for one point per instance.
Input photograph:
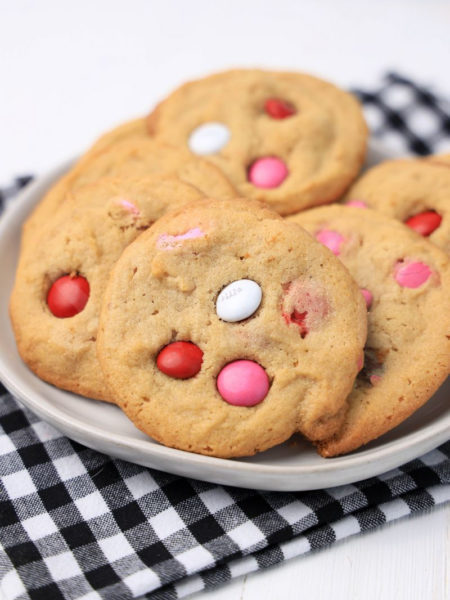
(180, 360)
(209, 138)
(424, 223)
(238, 300)
(279, 109)
(243, 383)
(331, 239)
(268, 172)
(368, 297)
(356, 204)
(412, 274)
(68, 296)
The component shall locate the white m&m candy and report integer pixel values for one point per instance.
(208, 138)
(238, 300)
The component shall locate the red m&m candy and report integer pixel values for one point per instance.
(68, 296)
(180, 360)
(278, 109)
(299, 319)
(424, 223)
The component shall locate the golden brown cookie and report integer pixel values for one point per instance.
(59, 284)
(415, 191)
(135, 157)
(406, 283)
(288, 139)
(225, 329)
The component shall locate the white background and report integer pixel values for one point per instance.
(70, 70)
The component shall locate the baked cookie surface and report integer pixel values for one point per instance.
(288, 139)
(135, 157)
(440, 159)
(406, 283)
(67, 271)
(414, 191)
(224, 329)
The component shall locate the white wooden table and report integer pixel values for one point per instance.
(71, 70)
(407, 560)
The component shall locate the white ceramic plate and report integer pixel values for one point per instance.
(105, 428)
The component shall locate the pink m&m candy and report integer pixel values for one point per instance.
(368, 297)
(356, 203)
(268, 172)
(129, 207)
(375, 379)
(243, 383)
(331, 239)
(411, 274)
(169, 242)
(360, 362)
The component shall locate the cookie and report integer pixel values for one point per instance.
(224, 329)
(288, 139)
(135, 157)
(415, 192)
(59, 283)
(406, 283)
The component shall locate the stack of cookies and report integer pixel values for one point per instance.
(184, 270)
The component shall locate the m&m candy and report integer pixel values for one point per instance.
(424, 223)
(331, 239)
(243, 383)
(279, 109)
(267, 172)
(208, 138)
(68, 296)
(368, 297)
(180, 360)
(412, 274)
(238, 300)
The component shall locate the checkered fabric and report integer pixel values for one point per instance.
(7, 194)
(409, 118)
(76, 524)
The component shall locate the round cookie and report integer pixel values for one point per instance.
(288, 139)
(135, 157)
(59, 284)
(190, 375)
(416, 192)
(406, 283)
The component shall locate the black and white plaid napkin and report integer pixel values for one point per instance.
(76, 524)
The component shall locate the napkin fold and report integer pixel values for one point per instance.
(76, 524)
